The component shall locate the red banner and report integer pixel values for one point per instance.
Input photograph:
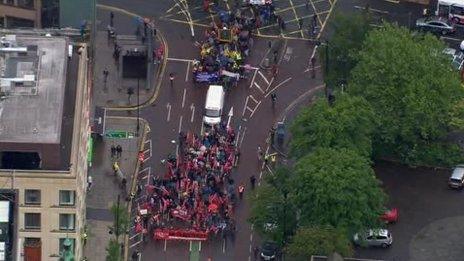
(180, 234)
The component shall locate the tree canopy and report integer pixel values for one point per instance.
(337, 187)
(410, 86)
(272, 212)
(323, 240)
(349, 123)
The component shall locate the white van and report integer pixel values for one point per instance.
(214, 104)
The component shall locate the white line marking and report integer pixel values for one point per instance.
(192, 108)
(264, 78)
(257, 86)
(180, 60)
(238, 135)
(223, 246)
(248, 108)
(451, 38)
(270, 84)
(243, 136)
(251, 96)
(249, 248)
(136, 235)
(199, 246)
(183, 97)
(180, 123)
(165, 245)
(168, 106)
(253, 79)
(251, 237)
(245, 105)
(190, 246)
(252, 113)
(187, 73)
(278, 85)
(135, 244)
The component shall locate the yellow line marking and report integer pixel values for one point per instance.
(296, 15)
(185, 22)
(315, 11)
(326, 19)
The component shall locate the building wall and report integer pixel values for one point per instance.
(14, 9)
(51, 182)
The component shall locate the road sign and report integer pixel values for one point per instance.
(115, 134)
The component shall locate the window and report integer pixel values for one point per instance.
(32, 220)
(32, 197)
(61, 247)
(67, 197)
(26, 3)
(67, 221)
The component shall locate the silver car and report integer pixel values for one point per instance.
(435, 25)
(373, 238)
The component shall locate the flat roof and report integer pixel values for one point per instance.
(32, 110)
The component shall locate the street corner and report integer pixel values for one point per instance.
(438, 240)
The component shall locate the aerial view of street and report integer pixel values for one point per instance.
(240, 130)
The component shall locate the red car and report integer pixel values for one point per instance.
(390, 215)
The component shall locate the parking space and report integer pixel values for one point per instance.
(430, 215)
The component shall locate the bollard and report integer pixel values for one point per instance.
(266, 62)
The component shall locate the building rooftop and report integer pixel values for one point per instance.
(32, 88)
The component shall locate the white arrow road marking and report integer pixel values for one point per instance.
(192, 108)
(168, 106)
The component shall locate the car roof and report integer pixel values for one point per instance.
(458, 172)
(379, 232)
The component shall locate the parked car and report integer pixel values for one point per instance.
(270, 251)
(437, 25)
(373, 238)
(456, 180)
(390, 215)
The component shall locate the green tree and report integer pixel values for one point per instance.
(457, 116)
(337, 187)
(410, 86)
(349, 123)
(348, 32)
(121, 220)
(113, 251)
(314, 240)
(272, 212)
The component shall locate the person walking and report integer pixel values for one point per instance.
(241, 190)
(252, 181)
(300, 23)
(89, 182)
(260, 153)
(171, 79)
(256, 252)
(119, 151)
(124, 183)
(111, 19)
(113, 151)
(275, 70)
(275, 56)
(273, 98)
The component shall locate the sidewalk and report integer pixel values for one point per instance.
(106, 187)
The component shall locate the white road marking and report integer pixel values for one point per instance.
(187, 73)
(251, 96)
(253, 112)
(245, 105)
(243, 136)
(253, 79)
(183, 97)
(257, 86)
(192, 108)
(180, 123)
(270, 84)
(199, 246)
(238, 135)
(264, 78)
(278, 85)
(451, 38)
(168, 106)
(250, 109)
(180, 60)
(223, 246)
(165, 245)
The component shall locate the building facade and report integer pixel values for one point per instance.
(20, 13)
(47, 193)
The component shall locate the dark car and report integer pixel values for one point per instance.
(437, 25)
(270, 251)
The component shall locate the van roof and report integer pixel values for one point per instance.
(213, 96)
(458, 172)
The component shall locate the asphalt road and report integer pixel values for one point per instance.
(179, 108)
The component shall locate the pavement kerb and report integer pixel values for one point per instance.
(146, 130)
(159, 73)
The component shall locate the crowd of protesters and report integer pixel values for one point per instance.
(197, 191)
